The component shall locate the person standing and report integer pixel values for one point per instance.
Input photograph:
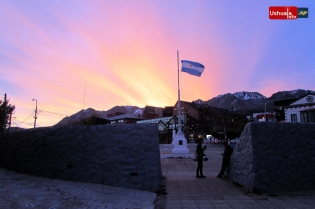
(200, 154)
(226, 159)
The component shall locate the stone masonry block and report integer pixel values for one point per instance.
(101, 154)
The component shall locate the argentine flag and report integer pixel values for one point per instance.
(193, 68)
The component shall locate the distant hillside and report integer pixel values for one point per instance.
(126, 109)
(240, 101)
(80, 116)
(288, 94)
(245, 102)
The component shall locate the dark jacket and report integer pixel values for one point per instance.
(199, 151)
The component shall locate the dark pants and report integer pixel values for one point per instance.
(199, 168)
(225, 165)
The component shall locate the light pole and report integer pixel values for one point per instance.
(265, 109)
(224, 129)
(35, 112)
(5, 114)
(213, 123)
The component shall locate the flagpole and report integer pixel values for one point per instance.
(178, 102)
(179, 142)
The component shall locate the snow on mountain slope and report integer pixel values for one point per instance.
(249, 95)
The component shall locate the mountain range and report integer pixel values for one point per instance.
(250, 102)
(245, 102)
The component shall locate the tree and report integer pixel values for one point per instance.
(6, 111)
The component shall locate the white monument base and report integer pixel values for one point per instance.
(180, 145)
(173, 136)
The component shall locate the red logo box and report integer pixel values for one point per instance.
(283, 13)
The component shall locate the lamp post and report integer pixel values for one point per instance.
(224, 129)
(35, 113)
(265, 109)
(213, 123)
(4, 113)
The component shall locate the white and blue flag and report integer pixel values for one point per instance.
(193, 68)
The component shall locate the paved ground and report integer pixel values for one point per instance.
(25, 191)
(182, 188)
(186, 191)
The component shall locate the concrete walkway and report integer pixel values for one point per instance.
(186, 191)
(25, 191)
(182, 188)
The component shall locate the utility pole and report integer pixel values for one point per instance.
(265, 109)
(35, 113)
(10, 121)
(224, 129)
(5, 113)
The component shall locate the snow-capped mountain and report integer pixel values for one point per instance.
(244, 95)
(125, 109)
(289, 94)
(252, 101)
(238, 101)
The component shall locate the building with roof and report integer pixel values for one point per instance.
(198, 120)
(151, 112)
(301, 110)
(280, 105)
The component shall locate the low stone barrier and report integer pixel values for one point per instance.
(275, 157)
(124, 155)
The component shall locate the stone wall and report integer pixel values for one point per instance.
(275, 157)
(125, 155)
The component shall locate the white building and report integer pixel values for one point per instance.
(301, 110)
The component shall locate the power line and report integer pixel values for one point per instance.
(52, 110)
(25, 114)
(18, 123)
(28, 117)
(55, 113)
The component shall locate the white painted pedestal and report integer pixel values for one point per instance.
(180, 146)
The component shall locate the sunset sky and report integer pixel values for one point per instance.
(75, 54)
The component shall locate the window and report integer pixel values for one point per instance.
(308, 116)
(312, 116)
(293, 118)
(303, 117)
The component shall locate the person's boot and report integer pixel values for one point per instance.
(201, 175)
(220, 175)
(197, 175)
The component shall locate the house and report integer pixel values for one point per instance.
(280, 106)
(302, 110)
(151, 112)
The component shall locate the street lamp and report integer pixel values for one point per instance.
(224, 129)
(35, 113)
(213, 123)
(265, 109)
